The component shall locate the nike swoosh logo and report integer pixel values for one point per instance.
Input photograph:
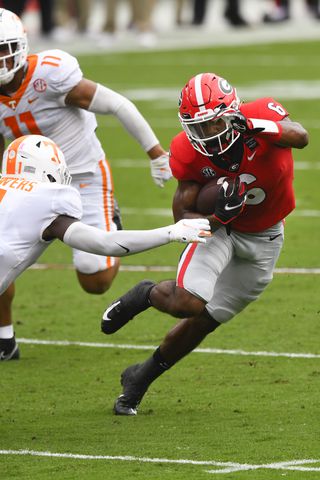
(274, 237)
(124, 248)
(105, 315)
(2, 356)
(229, 207)
(251, 157)
(84, 185)
(31, 100)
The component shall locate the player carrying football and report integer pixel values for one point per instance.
(248, 146)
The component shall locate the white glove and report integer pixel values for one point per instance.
(160, 170)
(190, 230)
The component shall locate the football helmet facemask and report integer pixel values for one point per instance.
(203, 102)
(13, 45)
(35, 157)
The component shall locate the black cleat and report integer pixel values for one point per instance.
(126, 307)
(9, 349)
(127, 403)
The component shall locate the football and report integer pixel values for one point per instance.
(207, 197)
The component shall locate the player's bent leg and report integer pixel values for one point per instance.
(99, 282)
(165, 297)
(100, 209)
(9, 349)
(186, 336)
(180, 341)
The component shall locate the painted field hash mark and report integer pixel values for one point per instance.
(227, 467)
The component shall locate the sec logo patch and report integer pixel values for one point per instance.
(40, 85)
(208, 172)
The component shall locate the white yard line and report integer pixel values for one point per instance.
(286, 90)
(214, 351)
(165, 268)
(227, 466)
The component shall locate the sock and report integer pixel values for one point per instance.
(151, 369)
(7, 331)
(158, 358)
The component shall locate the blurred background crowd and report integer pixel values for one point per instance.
(101, 21)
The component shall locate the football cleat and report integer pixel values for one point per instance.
(127, 403)
(126, 307)
(9, 349)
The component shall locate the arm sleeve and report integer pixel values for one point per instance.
(118, 244)
(106, 101)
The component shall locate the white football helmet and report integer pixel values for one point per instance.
(35, 157)
(13, 45)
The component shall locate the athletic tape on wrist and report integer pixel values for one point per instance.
(269, 127)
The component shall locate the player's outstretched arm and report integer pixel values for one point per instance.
(124, 242)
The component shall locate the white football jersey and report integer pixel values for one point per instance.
(27, 208)
(38, 107)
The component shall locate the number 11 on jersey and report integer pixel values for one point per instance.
(26, 118)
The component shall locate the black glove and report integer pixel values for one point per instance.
(231, 200)
(242, 124)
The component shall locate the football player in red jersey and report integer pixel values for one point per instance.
(249, 147)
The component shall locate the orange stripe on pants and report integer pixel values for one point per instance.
(106, 192)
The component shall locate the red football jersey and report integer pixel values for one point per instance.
(266, 168)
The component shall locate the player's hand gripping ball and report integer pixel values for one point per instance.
(224, 199)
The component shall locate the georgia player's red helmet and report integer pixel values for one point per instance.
(203, 102)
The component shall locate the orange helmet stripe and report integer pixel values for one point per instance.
(12, 156)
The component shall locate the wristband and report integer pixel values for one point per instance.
(269, 127)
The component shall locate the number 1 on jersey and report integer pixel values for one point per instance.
(26, 118)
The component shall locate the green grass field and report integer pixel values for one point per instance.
(226, 411)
